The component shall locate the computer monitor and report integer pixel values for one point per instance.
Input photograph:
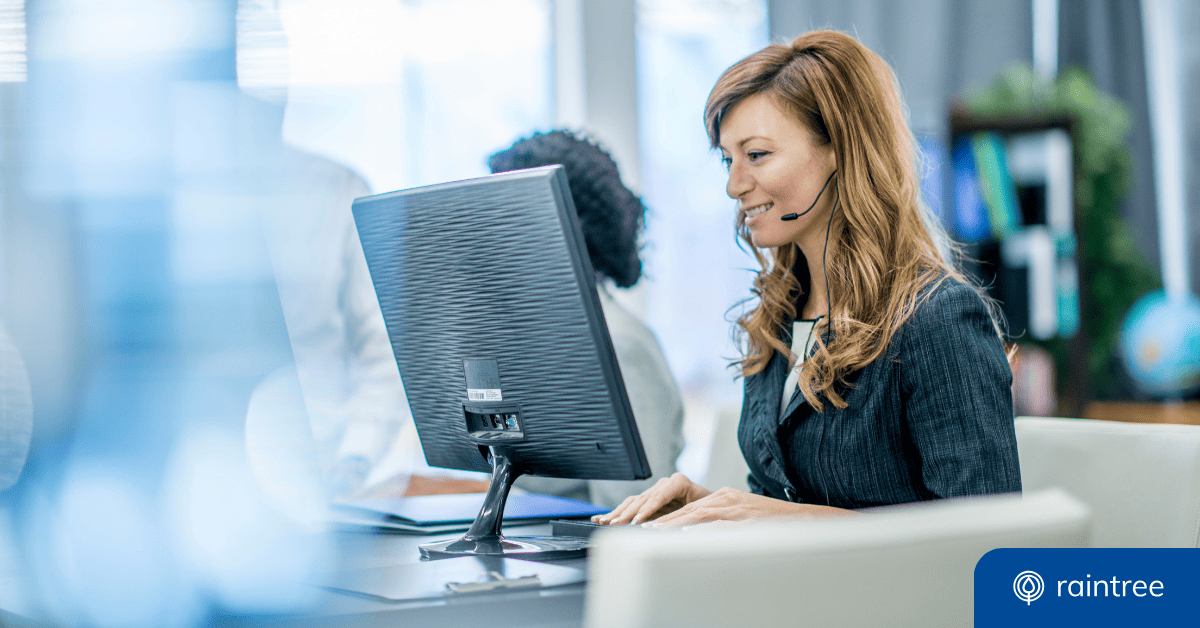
(490, 303)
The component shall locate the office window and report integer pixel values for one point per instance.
(410, 93)
(12, 70)
(12, 41)
(262, 50)
(693, 262)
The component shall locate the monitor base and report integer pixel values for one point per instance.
(533, 547)
(484, 538)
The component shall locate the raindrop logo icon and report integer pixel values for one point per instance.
(1028, 586)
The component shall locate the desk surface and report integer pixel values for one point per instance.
(558, 607)
(555, 607)
(1187, 413)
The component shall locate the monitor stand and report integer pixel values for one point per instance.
(484, 538)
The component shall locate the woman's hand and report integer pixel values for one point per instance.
(666, 496)
(730, 504)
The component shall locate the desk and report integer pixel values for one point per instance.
(1187, 413)
(558, 607)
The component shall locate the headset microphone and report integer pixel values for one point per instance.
(794, 216)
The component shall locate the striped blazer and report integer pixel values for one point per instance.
(932, 418)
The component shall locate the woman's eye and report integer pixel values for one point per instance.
(727, 161)
(755, 155)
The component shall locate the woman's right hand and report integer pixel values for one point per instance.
(666, 496)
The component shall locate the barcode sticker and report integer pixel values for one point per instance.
(484, 394)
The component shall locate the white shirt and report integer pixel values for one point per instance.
(16, 412)
(802, 342)
(349, 379)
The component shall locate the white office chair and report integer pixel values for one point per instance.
(910, 566)
(726, 465)
(1141, 481)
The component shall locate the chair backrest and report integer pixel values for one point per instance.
(726, 466)
(910, 566)
(1141, 481)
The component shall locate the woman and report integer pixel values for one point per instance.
(875, 373)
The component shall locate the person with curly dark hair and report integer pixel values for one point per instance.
(611, 215)
(612, 218)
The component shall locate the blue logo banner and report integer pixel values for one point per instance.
(1093, 587)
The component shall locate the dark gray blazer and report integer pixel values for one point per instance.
(931, 419)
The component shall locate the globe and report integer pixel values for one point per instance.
(1160, 344)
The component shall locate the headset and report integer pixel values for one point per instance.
(828, 304)
(794, 216)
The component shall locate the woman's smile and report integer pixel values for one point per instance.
(756, 210)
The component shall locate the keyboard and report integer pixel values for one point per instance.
(576, 527)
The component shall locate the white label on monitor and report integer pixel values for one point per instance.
(484, 394)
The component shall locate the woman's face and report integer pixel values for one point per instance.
(775, 169)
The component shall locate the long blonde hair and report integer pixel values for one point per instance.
(882, 253)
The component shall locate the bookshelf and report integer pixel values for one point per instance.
(1012, 205)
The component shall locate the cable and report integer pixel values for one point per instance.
(828, 326)
(793, 215)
